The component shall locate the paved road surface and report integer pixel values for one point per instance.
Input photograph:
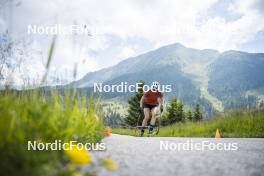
(143, 156)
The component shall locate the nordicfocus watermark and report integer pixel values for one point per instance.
(59, 145)
(58, 29)
(124, 87)
(190, 145)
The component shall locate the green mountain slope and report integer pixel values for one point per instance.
(217, 80)
(236, 78)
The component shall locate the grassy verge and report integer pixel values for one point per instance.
(31, 116)
(233, 124)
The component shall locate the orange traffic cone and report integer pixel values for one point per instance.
(217, 134)
(107, 131)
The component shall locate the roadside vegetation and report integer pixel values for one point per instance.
(31, 116)
(233, 124)
(180, 121)
(45, 116)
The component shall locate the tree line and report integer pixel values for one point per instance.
(174, 112)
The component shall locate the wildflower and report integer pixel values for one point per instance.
(109, 164)
(78, 156)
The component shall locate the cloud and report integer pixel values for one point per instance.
(70, 54)
(247, 6)
(161, 22)
(232, 25)
(126, 52)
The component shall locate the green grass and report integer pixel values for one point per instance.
(31, 116)
(233, 124)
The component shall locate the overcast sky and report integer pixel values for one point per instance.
(124, 28)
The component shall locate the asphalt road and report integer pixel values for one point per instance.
(145, 156)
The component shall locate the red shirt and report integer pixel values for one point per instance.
(151, 97)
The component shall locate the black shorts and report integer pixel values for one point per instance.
(150, 107)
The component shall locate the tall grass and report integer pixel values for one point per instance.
(36, 115)
(32, 116)
(238, 123)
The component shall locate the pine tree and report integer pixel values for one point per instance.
(189, 115)
(197, 115)
(135, 113)
(172, 110)
(180, 113)
(175, 111)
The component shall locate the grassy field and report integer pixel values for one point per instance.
(31, 116)
(237, 123)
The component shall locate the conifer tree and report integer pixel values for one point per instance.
(135, 113)
(189, 115)
(197, 115)
(180, 113)
(175, 111)
(172, 110)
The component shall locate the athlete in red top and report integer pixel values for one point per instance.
(150, 101)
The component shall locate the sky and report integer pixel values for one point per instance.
(119, 29)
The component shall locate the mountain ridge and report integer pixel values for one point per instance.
(187, 69)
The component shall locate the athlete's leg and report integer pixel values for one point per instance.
(145, 120)
(153, 120)
(146, 117)
(153, 116)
